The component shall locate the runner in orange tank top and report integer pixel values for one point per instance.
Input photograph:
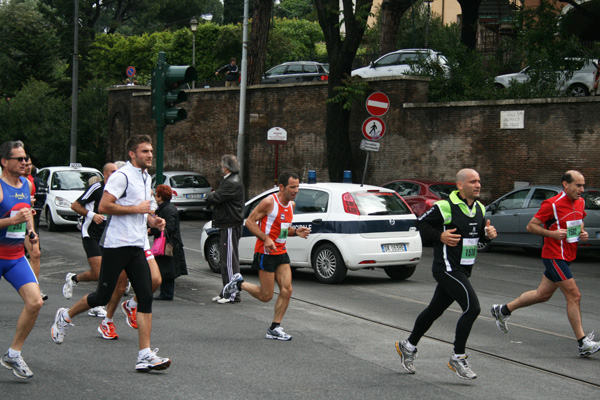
(271, 223)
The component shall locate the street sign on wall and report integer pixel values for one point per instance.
(373, 128)
(377, 104)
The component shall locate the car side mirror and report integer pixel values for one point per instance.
(372, 64)
(493, 207)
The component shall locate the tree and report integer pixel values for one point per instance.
(470, 16)
(29, 47)
(389, 20)
(299, 9)
(259, 39)
(341, 50)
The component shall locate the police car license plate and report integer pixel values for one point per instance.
(393, 247)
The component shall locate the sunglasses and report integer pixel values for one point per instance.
(19, 159)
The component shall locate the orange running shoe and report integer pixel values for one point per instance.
(107, 330)
(130, 314)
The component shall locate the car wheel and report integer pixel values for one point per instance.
(328, 264)
(400, 273)
(213, 254)
(484, 247)
(499, 87)
(577, 90)
(52, 227)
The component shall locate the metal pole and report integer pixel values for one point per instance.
(75, 83)
(160, 123)
(365, 171)
(242, 115)
(194, 56)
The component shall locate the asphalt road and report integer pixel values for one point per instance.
(343, 337)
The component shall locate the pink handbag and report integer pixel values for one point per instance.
(158, 248)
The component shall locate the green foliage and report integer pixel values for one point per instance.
(92, 125)
(29, 46)
(294, 40)
(296, 9)
(353, 90)
(41, 119)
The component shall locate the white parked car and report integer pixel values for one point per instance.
(65, 185)
(581, 83)
(189, 190)
(402, 62)
(353, 227)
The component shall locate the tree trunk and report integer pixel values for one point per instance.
(259, 38)
(341, 53)
(391, 12)
(470, 16)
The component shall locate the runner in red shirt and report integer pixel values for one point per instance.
(560, 221)
(271, 223)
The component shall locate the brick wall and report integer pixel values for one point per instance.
(427, 140)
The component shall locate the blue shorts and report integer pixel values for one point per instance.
(557, 270)
(17, 272)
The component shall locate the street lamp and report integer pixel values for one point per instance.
(194, 28)
(427, 21)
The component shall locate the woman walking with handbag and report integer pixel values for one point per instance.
(172, 262)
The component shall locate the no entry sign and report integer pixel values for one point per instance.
(377, 104)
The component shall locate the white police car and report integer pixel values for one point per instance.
(65, 185)
(353, 227)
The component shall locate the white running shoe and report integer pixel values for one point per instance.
(99, 311)
(501, 319)
(278, 334)
(68, 287)
(407, 357)
(18, 365)
(589, 347)
(59, 328)
(127, 289)
(461, 366)
(152, 362)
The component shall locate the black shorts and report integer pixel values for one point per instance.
(266, 262)
(92, 247)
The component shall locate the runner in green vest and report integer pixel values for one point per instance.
(455, 226)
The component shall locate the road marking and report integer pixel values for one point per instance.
(458, 311)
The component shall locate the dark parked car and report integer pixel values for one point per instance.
(421, 194)
(297, 72)
(511, 213)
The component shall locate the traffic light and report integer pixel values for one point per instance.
(167, 82)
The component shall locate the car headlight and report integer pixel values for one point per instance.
(60, 202)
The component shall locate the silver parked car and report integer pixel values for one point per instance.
(581, 83)
(189, 190)
(511, 213)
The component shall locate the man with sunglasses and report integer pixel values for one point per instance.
(16, 221)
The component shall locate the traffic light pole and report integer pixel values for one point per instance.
(160, 117)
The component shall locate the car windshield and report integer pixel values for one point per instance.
(380, 203)
(442, 190)
(189, 182)
(72, 180)
(592, 200)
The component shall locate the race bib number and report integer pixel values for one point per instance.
(574, 230)
(469, 251)
(283, 234)
(16, 231)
